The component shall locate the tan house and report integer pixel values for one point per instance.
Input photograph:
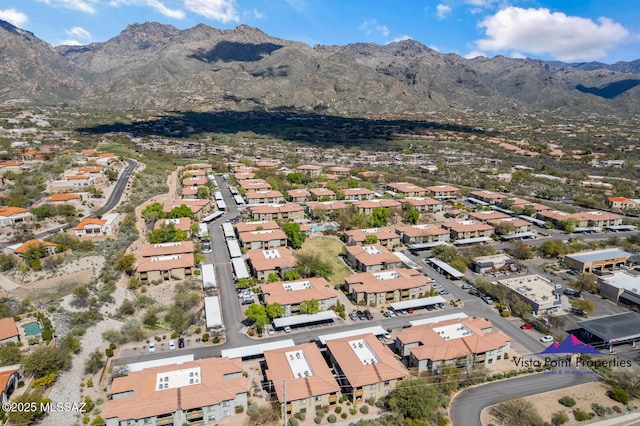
(290, 294)
(166, 268)
(200, 166)
(621, 203)
(322, 193)
(298, 195)
(204, 391)
(88, 226)
(422, 234)
(273, 261)
(407, 189)
(200, 208)
(73, 199)
(519, 225)
(366, 369)
(244, 175)
(263, 239)
(8, 331)
(264, 197)
(367, 206)
(356, 194)
(340, 171)
(466, 229)
(459, 342)
(258, 225)
(384, 287)
(310, 384)
(180, 223)
(372, 258)
(487, 215)
(488, 197)
(598, 219)
(254, 185)
(9, 382)
(384, 236)
(329, 207)
(289, 211)
(423, 204)
(165, 249)
(443, 192)
(14, 216)
(21, 249)
(309, 169)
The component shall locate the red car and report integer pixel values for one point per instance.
(527, 326)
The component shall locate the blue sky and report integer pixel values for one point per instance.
(567, 30)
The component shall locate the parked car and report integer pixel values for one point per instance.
(527, 326)
(569, 292)
(181, 342)
(443, 291)
(353, 316)
(546, 339)
(270, 330)
(466, 286)
(386, 335)
(403, 312)
(430, 307)
(287, 329)
(361, 316)
(172, 345)
(152, 347)
(410, 310)
(488, 300)
(391, 313)
(207, 248)
(436, 285)
(368, 315)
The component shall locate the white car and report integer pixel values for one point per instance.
(152, 347)
(287, 329)
(546, 339)
(172, 345)
(386, 335)
(270, 330)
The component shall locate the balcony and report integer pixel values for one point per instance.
(165, 421)
(195, 415)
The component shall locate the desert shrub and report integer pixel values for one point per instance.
(293, 421)
(215, 340)
(205, 337)
(239, 409)
(108, 352)
(616, 409)
(331, 418)
(338, 410)
(364, 409)
(581, 416)
(567, 401)
(619, 395)
(317, 420)
(344, 415)
(319, 413)
(302, 416)
(598, 409)
(559, 418)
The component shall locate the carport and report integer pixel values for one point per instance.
(304, 319)
(417, 303)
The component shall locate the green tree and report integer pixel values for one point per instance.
(125, 263)
(274, 310)
(178, 319)
(295, 236)
(46, 360)
(371, 239)
(552, 248)
(585, 305)
(42, 212)
(379, 216)
(569, 224)
(310, 264)
(309, 307)
(27, 417)
(519, 250)
(167, 233)
(150, 317)
(70, 344)
(517, 412)
(290, 276)
(459, 264)
(412, 216)
(153, 212)
(10, 354)
(94, 363)
(181, 211)
(586, 282)
(273, 277)
(81, 296)
(414, 399)
(257, 314)
(294, 178)
(203, 193)
(445, 253)
(7, 262)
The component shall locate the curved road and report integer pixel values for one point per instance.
(120, 186)
(467, 406)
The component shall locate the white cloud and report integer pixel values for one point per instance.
(541, 32)
(80, 5)
(299, 6)
(369, 26)
(442, 10)
(14, 17)
(218, 10)
(255, 13)
(154, 4)
(474, 54)
(78, 32)
(69, 43)
(480, 3)
(401, 38)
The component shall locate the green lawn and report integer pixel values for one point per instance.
(329, 248)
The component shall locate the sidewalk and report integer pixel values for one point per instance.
(626, 420)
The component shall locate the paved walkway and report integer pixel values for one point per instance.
(7, 284)
(631, 419)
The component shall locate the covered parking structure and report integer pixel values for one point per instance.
(417, 303)
(458, 315)
(614, 329)
(296, 320)
(376, 330)
(445, 269)
(252, 351)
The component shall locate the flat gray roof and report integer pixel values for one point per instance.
(472, 240)
(614, 328)
(598, 255)
(253, 350)
(527, 234)
(376, 330)
(446, 267)
(438, 319)
(423, 246)
(417, 303)
(212, 312)
(304, 319)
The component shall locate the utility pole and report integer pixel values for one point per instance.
(284, 405)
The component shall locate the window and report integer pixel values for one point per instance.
(227, 413)
(372, 386)
(147, 421)
(318, 407)
(226, 403)
(303, 401)
(499, 357)
(386, 383)
(386, 392)
(490, 361)
(303, 410)
(372, 395)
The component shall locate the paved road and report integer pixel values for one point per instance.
(121, 185)
(467, 406)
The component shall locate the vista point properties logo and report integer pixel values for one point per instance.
(569, 353)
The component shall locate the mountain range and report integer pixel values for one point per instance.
(157, 66)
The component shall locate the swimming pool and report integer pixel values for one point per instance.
(320, 228)
(32, 329)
